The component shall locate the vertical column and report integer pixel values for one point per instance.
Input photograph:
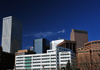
(69, 45)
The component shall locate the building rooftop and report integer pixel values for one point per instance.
(80, 31)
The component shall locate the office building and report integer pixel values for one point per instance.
(24, 52)
(54, 43)
(80, 36)
(7, 60)
(31, 48)
(68, 44)
(54, 59)
(11, 35)
(88, 58)
(41, 45)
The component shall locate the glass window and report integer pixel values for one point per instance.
(96, 50)
(53, 55)
(19, 57)
(19, 66)
(45, 58)
(92, 42)
(53, 64)
(36, 65)
(36, 59)
(45, 61)
(93, 50)
(19, 63)
(45, 55)
(53, 58)
(36, 62)
(98, 41)
(64, 60)
(53, 61)
(36, 56)
(95, 42)
(19, 60)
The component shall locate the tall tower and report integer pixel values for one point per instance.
(41, 45)
(11, 35)
(80, 36)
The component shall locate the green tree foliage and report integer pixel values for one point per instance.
(68, 66)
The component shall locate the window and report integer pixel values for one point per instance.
(45, 55)
(53, 64)
(95, 42)
(36, 59)
(98, 41)
(19, 57)
(64, 60)
(46, 65)
(65, 57)
(19, 63)
(27, 66)
(36, 65)
(45, 61)
(53, 61)
(36, 56)
(19, 66)
(92, 42)
(28, 63)
(36, 62)
(50, 51)
(53, 58)
(93, 50)
(87, 51)
(96, 50)
(64, 54)
(19, 60)
(45, 58)
(53, 55)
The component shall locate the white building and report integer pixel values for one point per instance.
(54, 43)
(52, 60)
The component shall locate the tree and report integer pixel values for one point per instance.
(68, 66)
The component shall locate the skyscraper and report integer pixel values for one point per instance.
(11, 35)
(80, 36)
(41, 45)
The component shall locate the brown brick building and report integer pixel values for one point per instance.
(80, 36)
(88, 58)
(68, 44)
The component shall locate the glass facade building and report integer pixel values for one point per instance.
(41, 45)
(11, 35)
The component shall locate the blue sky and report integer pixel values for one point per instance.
(51, 19)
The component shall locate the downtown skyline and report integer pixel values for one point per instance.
(52, 19)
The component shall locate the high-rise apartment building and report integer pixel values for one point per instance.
(41, 45)
(80, 36)
(11, 35)
(88, 58)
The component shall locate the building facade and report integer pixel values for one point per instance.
(68, 44)
(11, 35)
(80, 36)
(41, 45)
(89, 56)
(54, 43)
(52, 60)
